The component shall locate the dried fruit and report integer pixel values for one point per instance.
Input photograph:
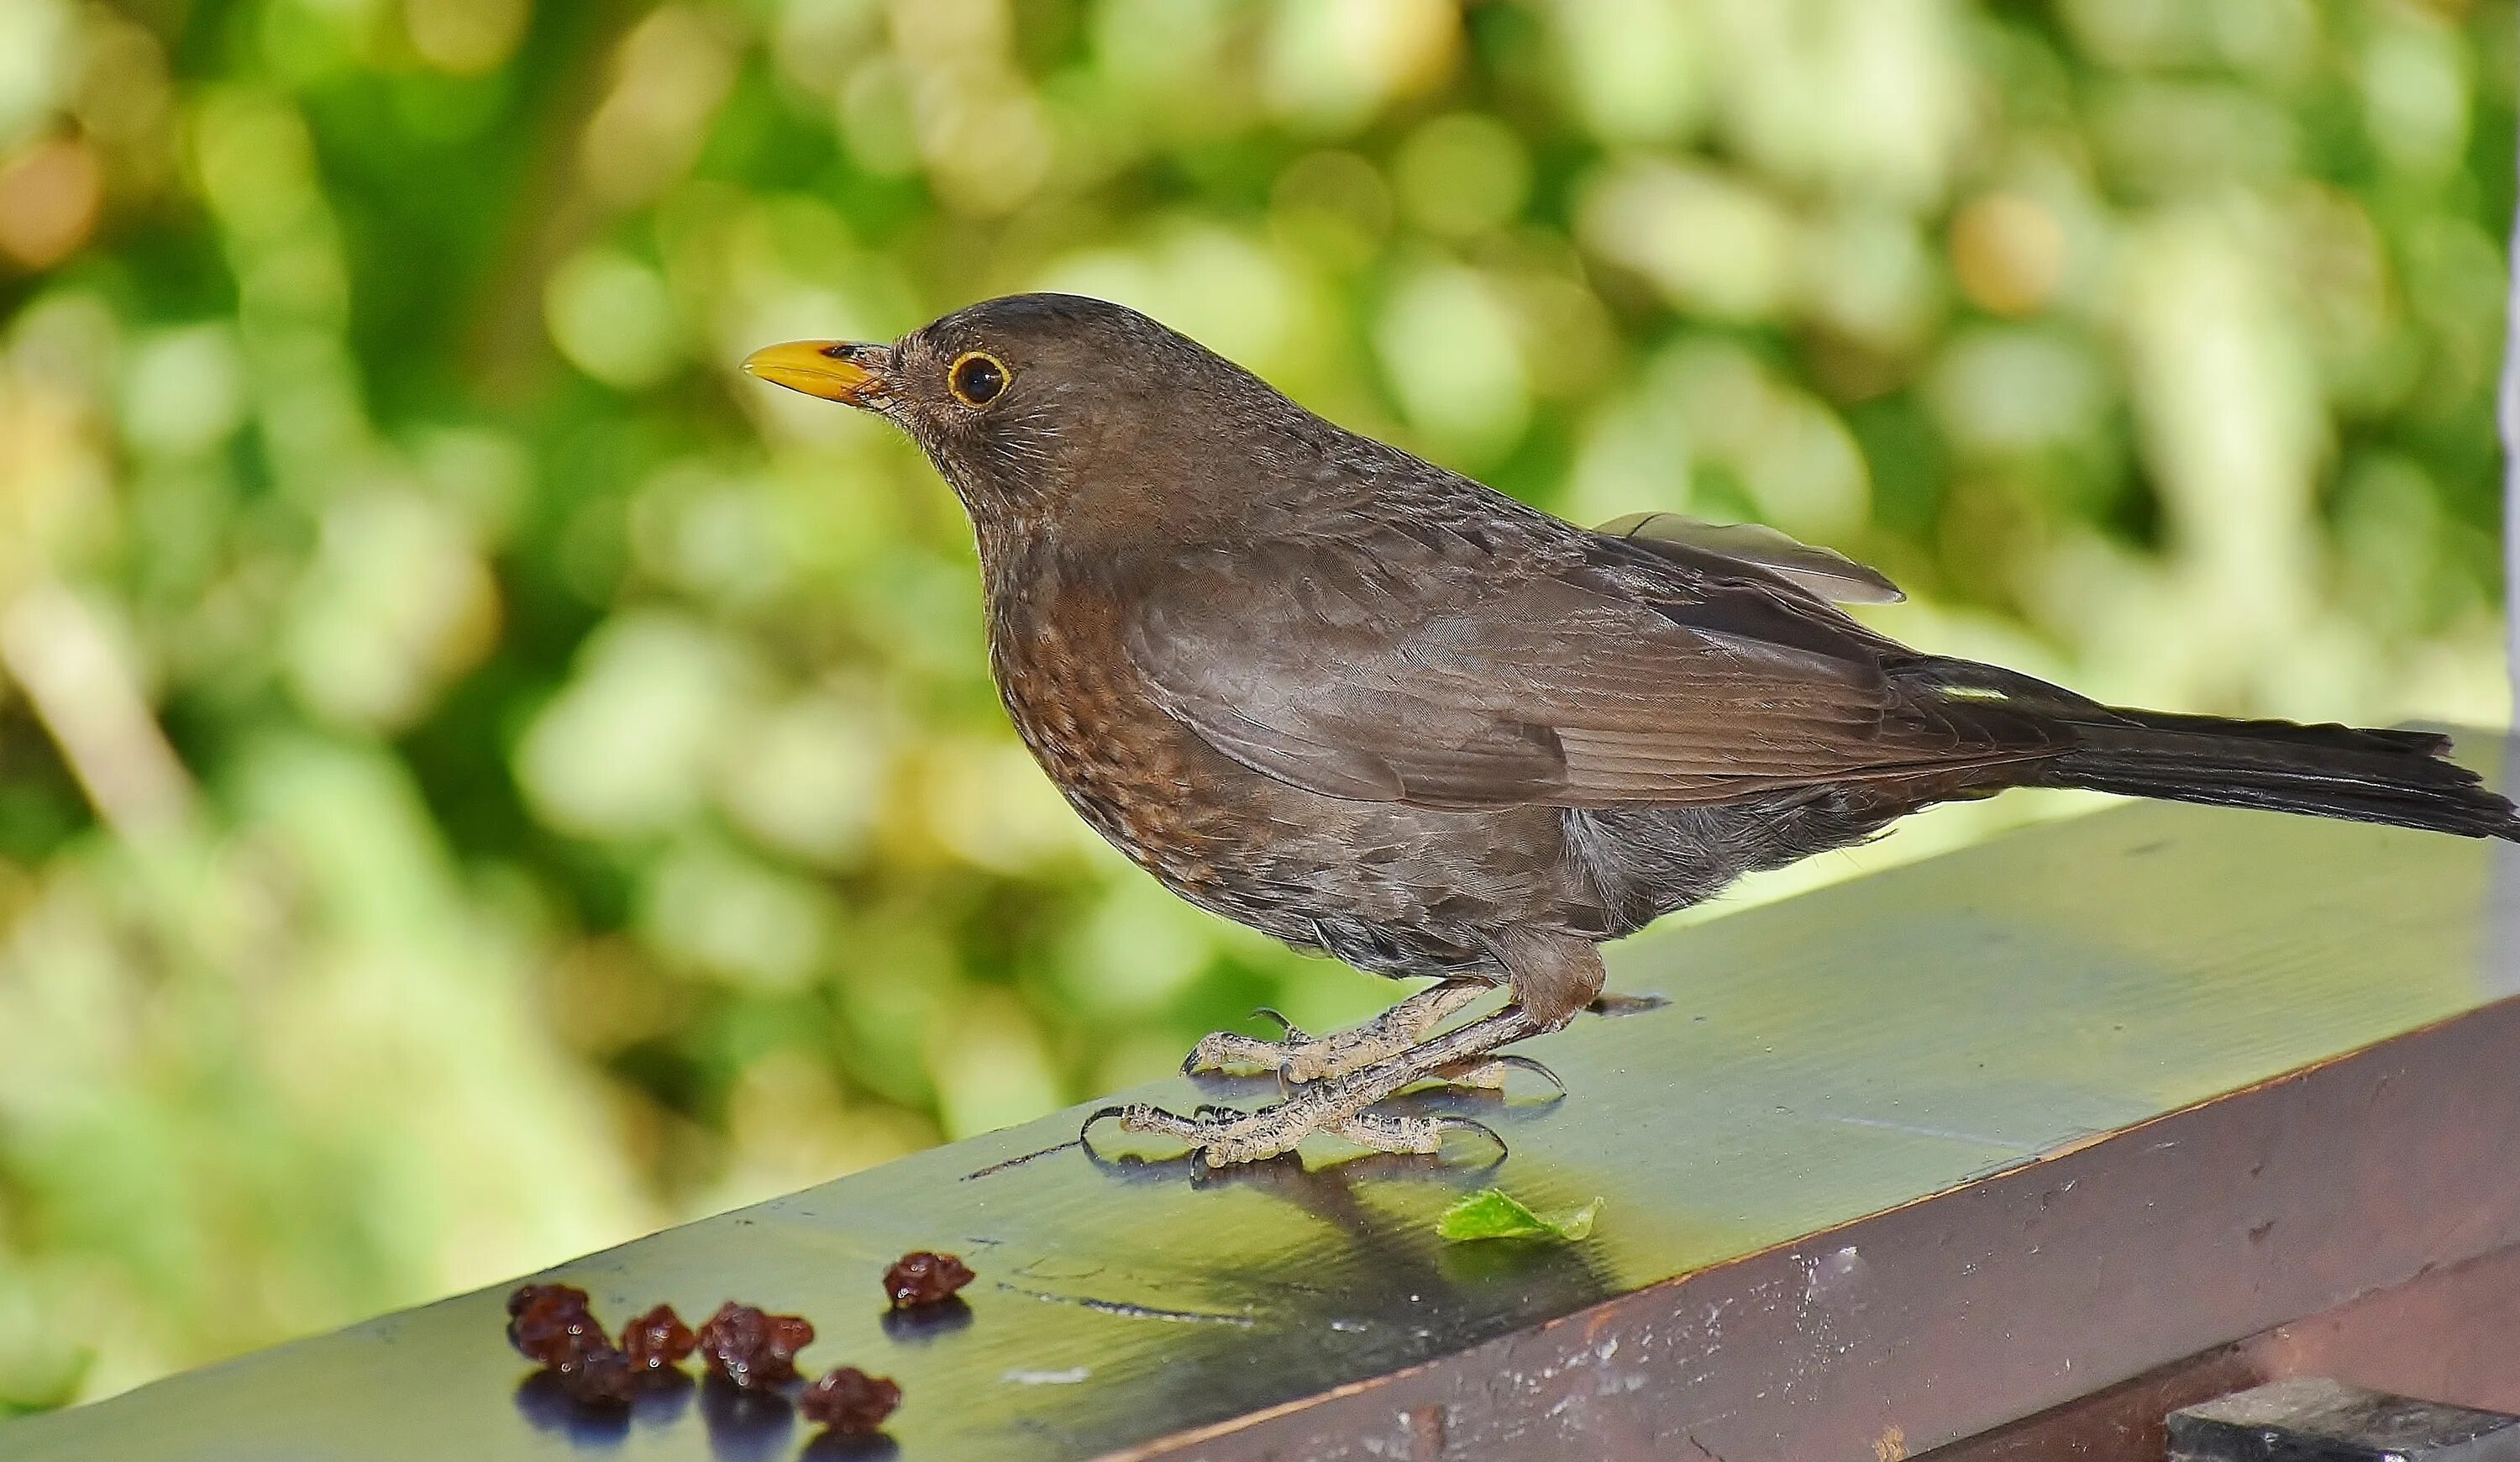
(600, 1375)
(924, 1278)
(752, 1348)
(528, 1295)
(658, 1341)
(790, 1334)
(849, 1400)
(554, 1327)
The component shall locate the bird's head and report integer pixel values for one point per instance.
(1048, 412)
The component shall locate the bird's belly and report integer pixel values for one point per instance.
(1398, 888)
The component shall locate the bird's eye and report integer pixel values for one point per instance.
(977, 377)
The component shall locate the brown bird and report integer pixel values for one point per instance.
(1377, 709)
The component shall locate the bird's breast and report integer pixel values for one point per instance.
(1136, 775)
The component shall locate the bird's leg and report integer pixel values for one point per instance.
(1404, 1134)
(1337, 1104)
(1301, 1057)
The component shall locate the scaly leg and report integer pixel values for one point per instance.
(1337, 1104)
(1301, 1058)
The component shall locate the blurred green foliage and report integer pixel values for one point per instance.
(479, 778)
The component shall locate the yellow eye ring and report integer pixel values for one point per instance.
(977, 377)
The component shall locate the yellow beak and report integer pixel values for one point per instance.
(818, 368)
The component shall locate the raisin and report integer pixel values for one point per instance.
(598, 1375)
(924, 1278)
(528, 1295)
(849, 1400)
(787, 1335)
(658, 1340)
(555, 1327)
(751, 1349)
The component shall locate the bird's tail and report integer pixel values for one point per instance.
(2396, 777)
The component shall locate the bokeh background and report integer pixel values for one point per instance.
(481, 779)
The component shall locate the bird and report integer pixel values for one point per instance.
(1382, 711)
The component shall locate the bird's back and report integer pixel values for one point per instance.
(1150, 682)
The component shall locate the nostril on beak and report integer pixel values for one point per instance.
(833, 370)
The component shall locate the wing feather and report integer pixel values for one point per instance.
(1404, 668)
(1823, 571)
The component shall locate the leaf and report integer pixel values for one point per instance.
(1493, 1213)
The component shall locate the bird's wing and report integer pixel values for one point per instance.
(1691, 541)
(1400, 665)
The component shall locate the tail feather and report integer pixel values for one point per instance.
(2395, 777)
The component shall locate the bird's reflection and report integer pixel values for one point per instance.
(1367, 1283)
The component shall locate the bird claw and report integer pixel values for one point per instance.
(1300, 1057)
(1410, 1134)
(1290, 1032)
(1488, 1074)
(1220, 1135)
(1229, 1053)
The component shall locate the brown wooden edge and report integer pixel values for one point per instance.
(2449, 1334)
(1965, 1311)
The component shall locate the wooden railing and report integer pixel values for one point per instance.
(2009, 1150)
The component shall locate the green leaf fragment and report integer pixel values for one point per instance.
(1493, 1213)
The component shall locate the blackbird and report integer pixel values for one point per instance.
(1377, 709)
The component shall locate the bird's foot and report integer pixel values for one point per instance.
(1489, 1072)
(1302, 1057)
(1223, 1135)
(1408, 1135)
(1339, 1105)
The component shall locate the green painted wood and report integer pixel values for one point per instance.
(1830, 1057)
